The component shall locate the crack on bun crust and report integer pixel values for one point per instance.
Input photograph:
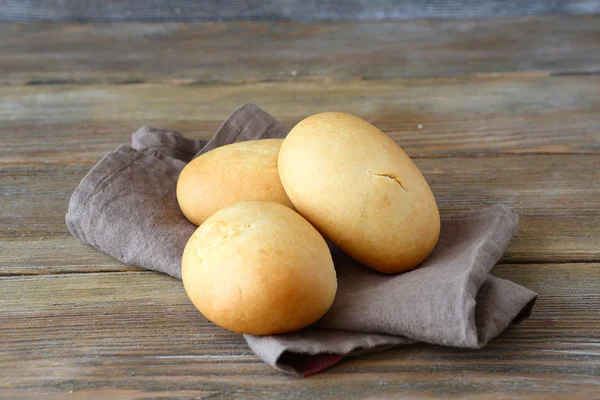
(391, 177)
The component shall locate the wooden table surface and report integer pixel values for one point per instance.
(491, 110)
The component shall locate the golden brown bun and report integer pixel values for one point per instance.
(360, 190)
(259, 268)
(228, 174)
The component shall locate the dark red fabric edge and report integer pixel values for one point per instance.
(309, 364)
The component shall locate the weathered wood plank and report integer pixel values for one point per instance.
(557, 196)
(190, 10)
(263, 51)
(136, 335)
(428, 117)
(57, 253)
(540, 239)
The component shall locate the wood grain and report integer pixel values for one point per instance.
(557, 196)
(58, 253)
(245, 51)
(189, 10)
(442, 117)
(137, 334)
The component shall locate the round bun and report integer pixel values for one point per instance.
(360, 190)
(229, 174)
(259, 268)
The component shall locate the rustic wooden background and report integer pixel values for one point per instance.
(304, 10)
(492, 110)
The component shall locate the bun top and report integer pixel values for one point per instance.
(229, 174)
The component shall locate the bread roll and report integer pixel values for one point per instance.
(360, 190)
(259, 268)
(228, 174)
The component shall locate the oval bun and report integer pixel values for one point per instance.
(259, 268)
(360, 190)
(229, 174)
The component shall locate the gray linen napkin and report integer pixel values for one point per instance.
(126, 207)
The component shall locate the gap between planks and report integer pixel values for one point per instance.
(415, 157)
(308, 79)
(209, 83)
(92, 270)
